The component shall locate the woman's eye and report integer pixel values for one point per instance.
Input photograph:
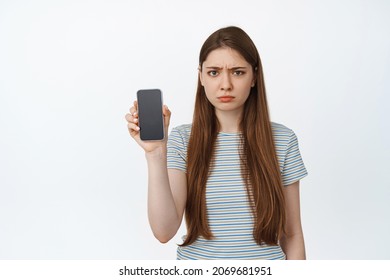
(213, 73)
(238, 73)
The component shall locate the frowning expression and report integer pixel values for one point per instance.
(227, 79)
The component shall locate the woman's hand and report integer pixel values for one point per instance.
(132, 125)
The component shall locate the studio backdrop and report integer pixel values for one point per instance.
(73, 183)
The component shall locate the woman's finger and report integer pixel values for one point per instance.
(167, 115)
(131, 118)
(133, 129)
(133, 111)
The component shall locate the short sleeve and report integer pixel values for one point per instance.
(293, 168)
(176, 151)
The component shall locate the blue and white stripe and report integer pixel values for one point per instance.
(229, 214)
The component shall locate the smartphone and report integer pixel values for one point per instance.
(150, 114)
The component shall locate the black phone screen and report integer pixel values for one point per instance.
(150, 115)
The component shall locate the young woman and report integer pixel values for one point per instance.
(232, 172)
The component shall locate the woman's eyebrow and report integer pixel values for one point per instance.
(232, 68)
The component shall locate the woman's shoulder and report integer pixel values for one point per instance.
(184, 129)
(280, 127)
(277, 128)
(181, 132)
(281, 133)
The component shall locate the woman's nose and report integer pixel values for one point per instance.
(226, 83)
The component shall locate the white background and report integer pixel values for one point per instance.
(73, 183)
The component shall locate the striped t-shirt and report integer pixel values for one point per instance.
(229, 214)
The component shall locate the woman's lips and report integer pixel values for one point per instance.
(225, 99)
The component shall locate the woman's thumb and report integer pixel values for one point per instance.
(167, 115)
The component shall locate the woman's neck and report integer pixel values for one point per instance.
(229, 121)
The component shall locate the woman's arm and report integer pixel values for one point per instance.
(292, 242)
(167, 190)
(167, 193)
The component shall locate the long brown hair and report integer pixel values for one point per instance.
(259, 164)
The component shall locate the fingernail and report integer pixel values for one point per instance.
(137, 128)
(136, 120)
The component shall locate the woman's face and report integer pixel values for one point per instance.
(227, 79)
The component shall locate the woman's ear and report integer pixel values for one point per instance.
(253, 82)
(254, 77)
